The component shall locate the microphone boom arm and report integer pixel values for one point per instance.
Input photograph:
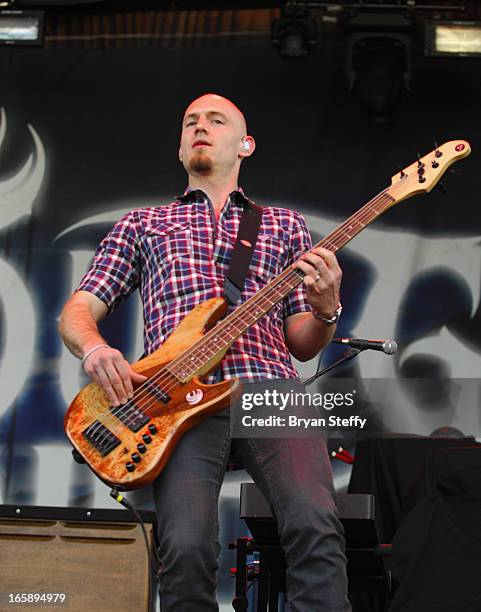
(354, 352)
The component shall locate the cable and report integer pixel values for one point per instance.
(119, 498)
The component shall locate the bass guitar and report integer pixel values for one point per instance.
(127, 446)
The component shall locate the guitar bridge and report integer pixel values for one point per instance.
(101, 438)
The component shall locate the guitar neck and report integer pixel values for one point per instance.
(222, 336)
(419, 177)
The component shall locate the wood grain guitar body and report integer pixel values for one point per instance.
(128, 447)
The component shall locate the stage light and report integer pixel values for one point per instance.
(21, 27)
(379, 61)
(294, 34)
(458, 38)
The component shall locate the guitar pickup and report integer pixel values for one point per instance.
(101, 438)
(131, 416)
(157, 391)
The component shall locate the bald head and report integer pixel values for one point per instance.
(216, 101)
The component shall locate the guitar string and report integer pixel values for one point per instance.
(134, 405)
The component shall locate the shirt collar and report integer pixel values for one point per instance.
(197, 195)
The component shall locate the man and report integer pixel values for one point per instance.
(179, 255)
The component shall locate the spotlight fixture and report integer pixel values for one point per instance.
(379, 61)
(21, 27)
(294, 34)
(454, 38)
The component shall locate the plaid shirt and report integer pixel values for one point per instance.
(178, 255)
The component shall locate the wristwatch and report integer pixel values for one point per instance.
(332, 319)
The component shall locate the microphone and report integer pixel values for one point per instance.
(386, 346)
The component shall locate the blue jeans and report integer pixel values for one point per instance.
(293, 473)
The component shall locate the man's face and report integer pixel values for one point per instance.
(212, 132)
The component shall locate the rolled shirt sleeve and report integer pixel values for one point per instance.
(114, 271)
(300, 242)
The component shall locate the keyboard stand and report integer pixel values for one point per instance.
(365, 567)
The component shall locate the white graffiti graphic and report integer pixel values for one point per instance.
(398, 256)
(19, 330)
(17, 195)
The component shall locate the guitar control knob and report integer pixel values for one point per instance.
(152, 428)
(136, 457)
(130, 467)
(146, 438)
(142, 448)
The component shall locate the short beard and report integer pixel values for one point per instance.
(201, 164)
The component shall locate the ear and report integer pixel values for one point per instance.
(247, 151)
(180, 154)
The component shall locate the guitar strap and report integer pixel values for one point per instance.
(244, 247)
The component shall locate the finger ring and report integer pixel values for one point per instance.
(317, 278)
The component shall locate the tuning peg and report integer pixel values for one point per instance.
(437, 152)
(442, 188)
(402, 174)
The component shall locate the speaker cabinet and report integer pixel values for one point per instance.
(96, 558)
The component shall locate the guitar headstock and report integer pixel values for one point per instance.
(424, 174)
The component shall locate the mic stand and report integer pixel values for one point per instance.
(353, 352)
